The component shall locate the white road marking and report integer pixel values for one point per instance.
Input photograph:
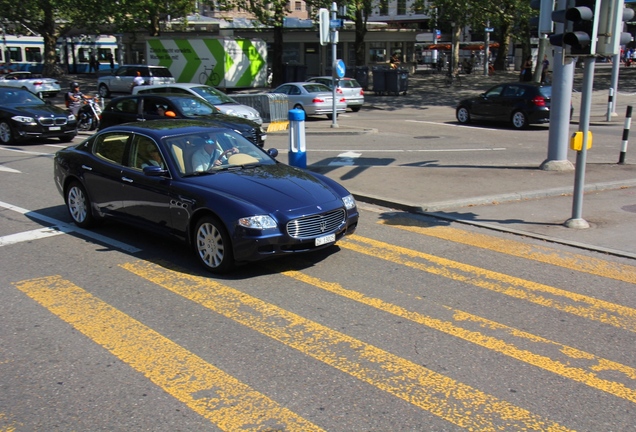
(7, 169)
(67, 228)
(26, 152)
(345, 159)
(451, 124)
(28, 236)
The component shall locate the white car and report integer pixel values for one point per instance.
(33, 83)
(223, 102)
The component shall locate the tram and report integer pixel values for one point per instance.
(26, 53)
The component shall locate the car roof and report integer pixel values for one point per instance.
(160, 128)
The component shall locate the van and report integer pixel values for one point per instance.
(122, 80)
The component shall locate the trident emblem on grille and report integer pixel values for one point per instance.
(323, 225)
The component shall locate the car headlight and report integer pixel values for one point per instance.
(71, 117)
(23, 119)
(349, 202)
(258, 222)
(232, 113)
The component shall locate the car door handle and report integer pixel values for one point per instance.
(127, 180)
(141, 119)
(87, 168)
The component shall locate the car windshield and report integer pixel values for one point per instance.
(213, 96)
(214, 151)
(194, 106)
(350, 83)
(160, 72)
(18, 97)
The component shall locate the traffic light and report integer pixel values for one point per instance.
(610, 27)
(581, 24)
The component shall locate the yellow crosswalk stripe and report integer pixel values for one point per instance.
(588, 369)
(577, 262)
(544, 295)
(207, 390)
(446, 398)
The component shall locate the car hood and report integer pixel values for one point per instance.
(37, 110)
(272, 188)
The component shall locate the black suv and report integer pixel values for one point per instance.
(122, 80)
(143, 107)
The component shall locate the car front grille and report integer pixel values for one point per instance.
(52, 121)
(316, 225)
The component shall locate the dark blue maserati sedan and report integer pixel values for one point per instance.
(229, 199)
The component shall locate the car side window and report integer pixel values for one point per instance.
(145, 152)
(294, 90)
(111, 147)
(126, 106)
(122, 71)
(494, 92)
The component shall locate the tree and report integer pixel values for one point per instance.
(51, 19)
(133, 15)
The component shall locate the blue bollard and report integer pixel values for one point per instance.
(297, 150)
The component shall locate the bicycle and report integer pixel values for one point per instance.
(453, 79)
(209, 74)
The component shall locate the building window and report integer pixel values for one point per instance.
(377, 52)
(298, 6)
(401, 7)
(384, 7)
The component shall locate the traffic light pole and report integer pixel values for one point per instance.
(334, 58)
(577, 221)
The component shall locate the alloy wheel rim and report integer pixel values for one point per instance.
(5, 132)
(210, 245)
(77, 204)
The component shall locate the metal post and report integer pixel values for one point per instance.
(628, 122)
(616, 63)
(610, 104)
(334, 45)
(486, 48)
(581, 156)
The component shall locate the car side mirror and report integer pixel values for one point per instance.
(273, 152)
(483, 95)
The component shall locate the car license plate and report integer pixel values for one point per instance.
(326, 239)
(54, 128)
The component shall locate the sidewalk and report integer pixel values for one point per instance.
(522, 200)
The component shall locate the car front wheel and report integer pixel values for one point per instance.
(519, 120)
(463, 115)
(212, 245)
(6, 135)
(103, 91)
(79, 205)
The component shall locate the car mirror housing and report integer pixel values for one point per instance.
(154, 171)
(273, 152)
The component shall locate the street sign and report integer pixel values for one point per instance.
(489, 29)
(335, 23)
(340, 68)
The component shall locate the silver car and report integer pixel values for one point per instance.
(347, 87)
(123, 79)
(223, 102)
(313, 98)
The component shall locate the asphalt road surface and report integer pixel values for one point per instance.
(412, 324)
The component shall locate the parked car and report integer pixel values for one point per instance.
(42, 87)
(347, 87)
(23, 115)
(223, 102)
(143, 107)
(518, 103)
(313, 98)
(122, 80)
(247, 207)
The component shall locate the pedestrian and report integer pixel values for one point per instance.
(545, 65)
(526, 70)
(111, 60)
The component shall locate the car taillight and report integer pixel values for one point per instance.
(37, 83)
(538, 101)
(317, 100)
(361, 92)
(339, 90)
(343, 100)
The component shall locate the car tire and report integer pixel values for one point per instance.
(463, 115)
(66, 138)
(103, 91)
(355, 109)
(330, 116)
(212, 245)
(6, 134)
(519, 120)
(79, 205)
